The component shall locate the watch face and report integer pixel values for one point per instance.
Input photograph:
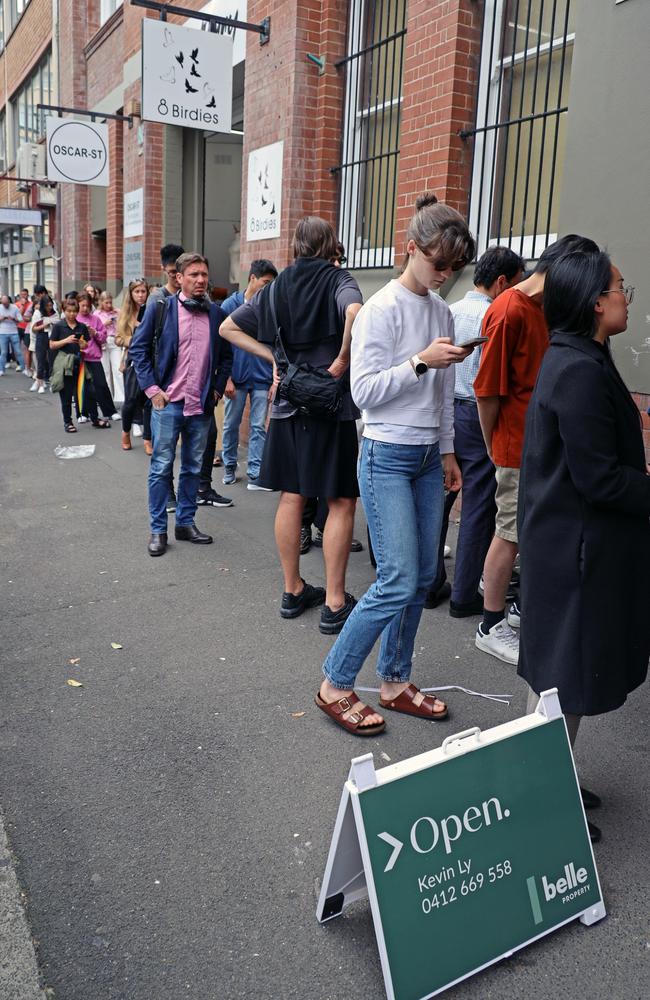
(421, 368)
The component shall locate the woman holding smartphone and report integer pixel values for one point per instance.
(69, 337)
(401, 377)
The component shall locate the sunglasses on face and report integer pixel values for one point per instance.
(439, 263)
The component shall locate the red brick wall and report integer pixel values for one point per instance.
(441, 62)
(25, 46)
(287, 99)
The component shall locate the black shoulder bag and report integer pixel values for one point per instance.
(313, 391)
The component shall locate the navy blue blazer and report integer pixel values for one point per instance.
(141, 352)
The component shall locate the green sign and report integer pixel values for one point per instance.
(467, 852)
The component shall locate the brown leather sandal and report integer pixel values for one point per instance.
(357, 712)
(405, 703)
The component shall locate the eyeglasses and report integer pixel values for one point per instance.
(440, 264)
(628, 292)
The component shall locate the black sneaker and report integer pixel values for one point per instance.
(467, 610)
(171, 504)
(210, 498)
(309, 597)
(436, 597)
(331, 622)
(305, 540)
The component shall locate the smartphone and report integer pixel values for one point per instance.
(476, 342)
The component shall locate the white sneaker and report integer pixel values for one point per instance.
(28, 372)
(501, 641)
(19, 370)
(33, 387)
(82, 419)
(514, 616)
(41, 388)
(136, 430)
(1, 373)
(116, 416)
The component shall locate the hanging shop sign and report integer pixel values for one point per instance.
(134, 213)
(186, 76)
(264, 193)
(77, 151)
(467, 853)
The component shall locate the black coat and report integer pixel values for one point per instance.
(584, 533)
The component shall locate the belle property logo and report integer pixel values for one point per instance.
(571, 884)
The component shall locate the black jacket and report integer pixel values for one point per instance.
(584, 533)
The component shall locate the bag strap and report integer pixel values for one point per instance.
(161, 312)
(274, 318)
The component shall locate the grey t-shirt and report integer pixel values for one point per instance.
(247, 318)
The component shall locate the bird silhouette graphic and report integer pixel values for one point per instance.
(169, 77)
(272, 212)
(180, 58)
(194, 73)
(194, 55)
(212, 103)
(189, 89)
(208, 91)
(264, 201)
(168, 39)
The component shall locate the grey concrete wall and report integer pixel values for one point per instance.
(605, 190)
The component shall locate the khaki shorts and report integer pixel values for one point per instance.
(506, 501)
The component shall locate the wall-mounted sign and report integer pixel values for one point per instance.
(77, 151)
(264, 194)
(236, 9)
(20, 217)
(467, 852)
(134, 213)
(186, 76)
(132, 260)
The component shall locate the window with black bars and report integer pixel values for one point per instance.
(520, 135)
(370, 149)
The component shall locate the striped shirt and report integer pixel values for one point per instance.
(468, 318)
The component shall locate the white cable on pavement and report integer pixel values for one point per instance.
(505, 699)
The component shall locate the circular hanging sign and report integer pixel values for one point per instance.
(77, 151)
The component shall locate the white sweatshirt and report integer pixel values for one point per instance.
(397, 406)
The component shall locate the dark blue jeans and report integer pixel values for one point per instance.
(167, 426)
(478, 510)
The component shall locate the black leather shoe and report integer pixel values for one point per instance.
(158, 544)
(595, 835)
(475, 607)
(356, 546)
(436, 597)
(190, 533)
(589, 799)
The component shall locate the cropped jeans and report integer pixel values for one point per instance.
(233, 413)
(167, 425)
(5, 340)
(402, 493)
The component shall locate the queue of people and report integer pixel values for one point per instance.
(510, 398)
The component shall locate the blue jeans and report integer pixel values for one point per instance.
(233, 413)
(4, 348)
(166, 426)
(402, 493)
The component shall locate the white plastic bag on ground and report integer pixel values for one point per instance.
(74, 451)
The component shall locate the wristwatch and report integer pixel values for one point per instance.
(419, 366)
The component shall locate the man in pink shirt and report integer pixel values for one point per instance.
(182, 364)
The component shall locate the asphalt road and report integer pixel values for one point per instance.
(170, 820)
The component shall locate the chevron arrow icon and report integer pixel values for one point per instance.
(397, 846)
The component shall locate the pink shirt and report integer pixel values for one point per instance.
(98, 336)
(109, 319)
(192, 363)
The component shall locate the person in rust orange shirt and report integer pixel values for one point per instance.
(517, 341)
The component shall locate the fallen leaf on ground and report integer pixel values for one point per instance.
(74, 684)
(75, 660)
(297, 715)
(116, 645)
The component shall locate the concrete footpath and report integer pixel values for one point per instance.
(170, 819)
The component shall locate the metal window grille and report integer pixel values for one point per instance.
(368, 171)
(520, 133)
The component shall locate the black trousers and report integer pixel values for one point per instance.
(42, 355)
(67, 394)
(205, 475)
(101, 391)
(315, 512)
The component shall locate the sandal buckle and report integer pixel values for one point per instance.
(356, 717)
(345, 704)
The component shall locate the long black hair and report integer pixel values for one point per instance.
(573, 284)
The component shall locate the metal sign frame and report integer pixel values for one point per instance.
(263, 29)
(348, 875)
